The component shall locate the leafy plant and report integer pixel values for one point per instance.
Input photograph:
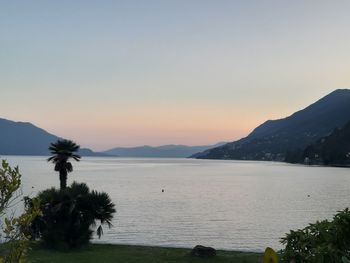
(68, 216)
(10, 182)
(325, 241)
(15, 229)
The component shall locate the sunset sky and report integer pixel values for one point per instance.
(125, 73)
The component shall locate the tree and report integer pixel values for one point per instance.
(68, 216)
(15, 229)
(323, 241)
(62, 151)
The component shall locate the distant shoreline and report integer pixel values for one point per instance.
(188, 158)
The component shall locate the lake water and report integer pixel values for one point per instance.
(233, 205)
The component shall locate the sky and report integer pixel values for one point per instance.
(126, 73)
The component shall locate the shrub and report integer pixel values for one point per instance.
(14, 229)
(68, 216)
(325, 241)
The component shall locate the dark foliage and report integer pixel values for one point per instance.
(295, 156)
(68, 216)
(325, 241)
(330, 150)
(62, 151)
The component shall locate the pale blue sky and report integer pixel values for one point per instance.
(108, 73)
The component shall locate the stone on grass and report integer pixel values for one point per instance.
(202, 251)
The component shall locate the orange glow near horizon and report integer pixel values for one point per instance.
(191, 125)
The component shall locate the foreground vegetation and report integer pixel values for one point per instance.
(69, 214)
(130, 254)
(13, 229)
(324, 241)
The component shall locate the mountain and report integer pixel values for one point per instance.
(170, 151)
(330, 150)
(273, 139)
(88, 152)
(24, 138)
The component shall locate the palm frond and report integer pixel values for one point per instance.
(69, 167)
(99, 231)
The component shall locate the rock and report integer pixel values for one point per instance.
(202, 251)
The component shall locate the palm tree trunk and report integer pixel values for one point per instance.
(63, 179)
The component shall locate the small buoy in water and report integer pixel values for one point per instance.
(162, 190)
(308, 195)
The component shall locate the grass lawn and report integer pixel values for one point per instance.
(129, 254)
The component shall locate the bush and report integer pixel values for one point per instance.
(68, 216)
(325, 241)
(14, 234)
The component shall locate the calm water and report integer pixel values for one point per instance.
(226, 204)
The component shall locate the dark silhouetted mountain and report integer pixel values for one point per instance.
(24, 138)
(169, 151)
(330, 150)
(89, 152)
(274, 138)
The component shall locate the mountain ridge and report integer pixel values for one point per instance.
(165, 151)
(274, 138)
(25, 138)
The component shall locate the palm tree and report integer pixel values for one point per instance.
(62, 151)
(69, 217)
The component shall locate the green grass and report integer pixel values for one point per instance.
(130, 254)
